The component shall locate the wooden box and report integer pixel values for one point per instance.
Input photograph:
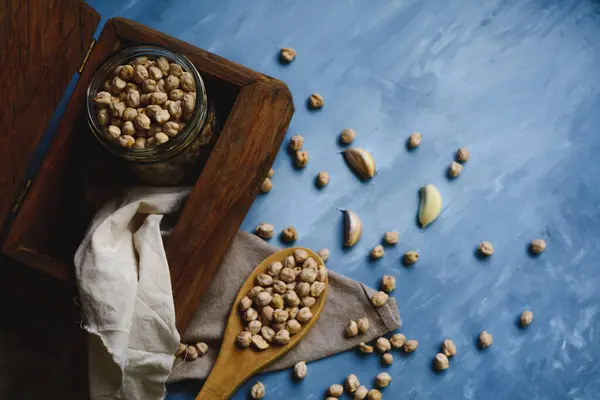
(44, 44)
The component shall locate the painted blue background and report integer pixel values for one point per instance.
(518, 83)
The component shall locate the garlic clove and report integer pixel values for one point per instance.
(352, 228)
(431, 205)
(361, 162)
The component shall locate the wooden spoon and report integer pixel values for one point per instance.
(235, 365)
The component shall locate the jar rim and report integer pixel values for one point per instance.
(176, 144)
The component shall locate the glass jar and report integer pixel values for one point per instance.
(176, 161)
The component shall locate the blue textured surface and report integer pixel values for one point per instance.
(518, 83)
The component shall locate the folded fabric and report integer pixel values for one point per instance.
(346, 300)
(125, 289)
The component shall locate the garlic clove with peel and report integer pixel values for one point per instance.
(352, 228)
(431, 205)
(361, 162)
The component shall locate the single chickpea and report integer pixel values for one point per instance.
(315, 101)
(289, 234)
(526, 318)
(454, 169)
(410, 257)
(377, 252)
(126, 141)
(485, 249)
(387, 359)
(191, 353)
(485, 340)
(176, 94)
(301, 159)
(441, 362)
(352, 383)
(379, 299)
(365, 348)
(537, 246)
(410, 346)
(414, 140)
(397, 340)
(383, 380)
(287, 55)
(258, 391)
(265, 231)
(161, 138)
(347, 136)
(266, 186)
(390, 238)
(300, 370)
(448, 348)
(383, 345)
(324, 254)
(374, 394)
(388, 283)
(175, 70)
(351, 329)
(322, 179)
(462, 155)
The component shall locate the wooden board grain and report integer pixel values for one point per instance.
(47, 229)
(255, 111)
(225, 191)
(42, 45)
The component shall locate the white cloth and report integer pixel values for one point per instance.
(125, 290)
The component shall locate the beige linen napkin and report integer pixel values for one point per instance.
(125, 289)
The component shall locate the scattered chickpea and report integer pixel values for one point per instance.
(301, 159)
(315, 101)
(485, 340)
(377, 252)
(324, 254)
(526, 318)
(485, 249)
(397, 340)
(181, 348)
(537, 246)
(383, 345)
(454, 169)
(410, 257)
(287, 55)
(191, 353)
(265, 231)
(448, 348)
(322, 179)
(365, 348)
(266, 186)
(289, 234)
(379, 299)
(352, 383)
(410, 346)
(374, 394)
(201, 348)
(300, 370)
(390, 238)
(383, 380)
(363, 325)
(414, 140)
(351, 329)
(388, 283)
(361, 393)
(462, 155)
(387, 358)
(336, 390)
(441, 362)
(258, 391)
(347, 136)
(296, 142)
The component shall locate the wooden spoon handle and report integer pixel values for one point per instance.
(211, 391)
(224, 379)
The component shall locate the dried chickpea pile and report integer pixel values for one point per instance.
(277, 307)
(145, 103)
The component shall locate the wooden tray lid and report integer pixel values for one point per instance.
(42, 44)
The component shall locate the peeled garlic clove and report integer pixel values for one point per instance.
(431, 205)
(352, 228)
(361, 162)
